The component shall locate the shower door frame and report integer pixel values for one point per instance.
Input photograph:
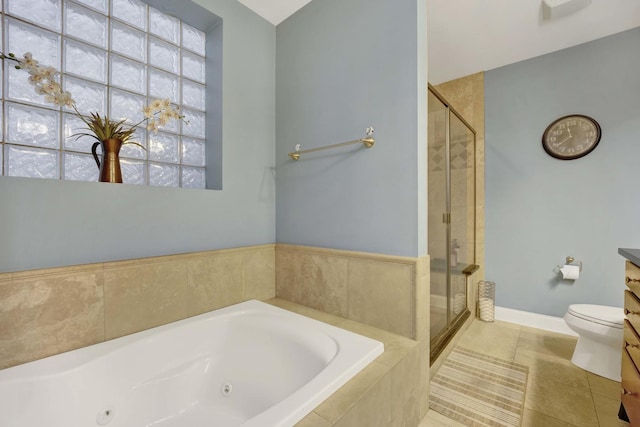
(440, 342)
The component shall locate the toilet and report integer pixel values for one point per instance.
(600, 337)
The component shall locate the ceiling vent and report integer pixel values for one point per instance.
(553, 9)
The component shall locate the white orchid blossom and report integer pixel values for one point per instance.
(158, 113)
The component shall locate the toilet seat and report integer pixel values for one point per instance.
(600, 314)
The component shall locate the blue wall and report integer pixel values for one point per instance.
(540, 209)
(45, 223)
(343, 66)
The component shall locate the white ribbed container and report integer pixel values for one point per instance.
(459, 303)
(486, 301)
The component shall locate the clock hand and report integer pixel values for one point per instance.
(564, 140)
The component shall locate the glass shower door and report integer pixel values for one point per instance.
(438, 202)
(451, 218)
(462, 208)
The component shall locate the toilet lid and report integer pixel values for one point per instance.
(603, 315)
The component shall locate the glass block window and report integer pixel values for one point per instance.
(115, 57)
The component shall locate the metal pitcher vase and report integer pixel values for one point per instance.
(110, 166)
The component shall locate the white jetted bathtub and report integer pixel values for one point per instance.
(251, 364)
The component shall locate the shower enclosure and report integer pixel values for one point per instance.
(451, 216)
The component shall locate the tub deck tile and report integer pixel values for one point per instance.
(385, 393)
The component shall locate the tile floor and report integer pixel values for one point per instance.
(559, 394)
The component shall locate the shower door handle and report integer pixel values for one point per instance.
(470, 269)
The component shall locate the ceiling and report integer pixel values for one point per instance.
(468, 36)
(274, 11)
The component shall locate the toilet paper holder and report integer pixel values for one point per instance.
(571, 261)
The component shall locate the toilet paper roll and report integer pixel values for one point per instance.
(570, 272)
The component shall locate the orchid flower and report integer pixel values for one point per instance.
(158, 113)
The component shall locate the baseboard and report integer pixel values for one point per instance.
(534, 320)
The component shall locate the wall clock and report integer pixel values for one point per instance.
(571, 137)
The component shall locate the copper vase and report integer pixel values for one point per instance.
(110, 165)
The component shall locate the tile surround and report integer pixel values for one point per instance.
(374, 285)
(378, 290)
(118, 298)
(312, 278)
(260, 273)
(384, 394)
(215, 282)
(83, 305)
(388, 293)
(50, 311)
(139, 297)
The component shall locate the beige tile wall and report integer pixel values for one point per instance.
(386, 292)
(50, 311)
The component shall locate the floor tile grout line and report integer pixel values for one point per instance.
(537, 346)
(517, 347)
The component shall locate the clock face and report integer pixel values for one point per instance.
(571, 137)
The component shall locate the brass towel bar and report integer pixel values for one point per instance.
(368, 142)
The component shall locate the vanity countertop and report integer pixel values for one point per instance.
(632, 255)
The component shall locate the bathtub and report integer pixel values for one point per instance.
(250, 365)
